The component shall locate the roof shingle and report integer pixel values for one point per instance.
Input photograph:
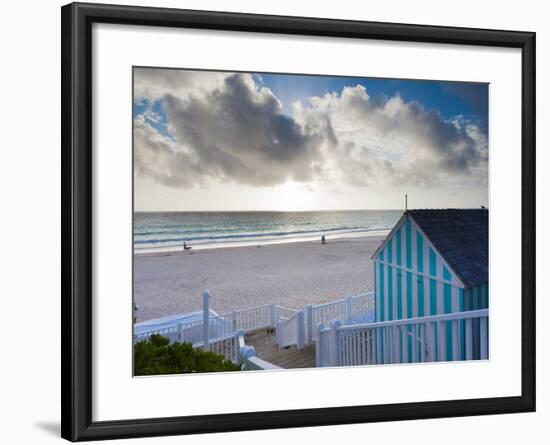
(462, 237)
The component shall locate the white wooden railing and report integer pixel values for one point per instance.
(246, 356)
(293, 327)
(454, 336)
(170, 332)
(223, 334)
(217, 326)
(322, 347)
(234, 349)
(362, 304)
(224, 346)
(190, 332)
(291, 331)
(298, 327)
(258, 317)
(346, 310)
(251, 319)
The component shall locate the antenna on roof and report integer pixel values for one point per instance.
(406, 202)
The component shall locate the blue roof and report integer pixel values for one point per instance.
(461, 236)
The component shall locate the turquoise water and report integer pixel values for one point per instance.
(168, 230)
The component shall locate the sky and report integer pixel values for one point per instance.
(209, 140)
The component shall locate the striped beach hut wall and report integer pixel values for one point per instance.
(433, 262)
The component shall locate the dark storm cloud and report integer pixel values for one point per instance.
(228, 128)
(159, 159)
(455, 150)
(237, 132)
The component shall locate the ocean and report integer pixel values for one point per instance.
(166, 231)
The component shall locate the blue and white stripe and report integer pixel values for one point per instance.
(411, 279)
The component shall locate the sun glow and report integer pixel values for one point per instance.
(294, 196)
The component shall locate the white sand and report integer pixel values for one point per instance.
(291, 275)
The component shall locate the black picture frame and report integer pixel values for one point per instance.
(76, 248)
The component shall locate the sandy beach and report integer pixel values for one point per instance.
(292, 275)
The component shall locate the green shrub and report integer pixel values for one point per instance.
(156, 356)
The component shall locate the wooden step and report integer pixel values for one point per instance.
(288, 358)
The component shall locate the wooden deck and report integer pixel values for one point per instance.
(266, 349)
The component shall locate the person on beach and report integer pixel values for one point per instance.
(186, 247)
(323, 240)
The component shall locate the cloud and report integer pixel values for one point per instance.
(155, 83)
(397, 142)
(235, 132)
(159, 158)
(230, 128)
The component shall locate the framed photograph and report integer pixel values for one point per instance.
(275, 222)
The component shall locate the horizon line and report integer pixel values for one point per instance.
(298, 211)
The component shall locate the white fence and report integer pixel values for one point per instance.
(223, 334)
(293, 327)
(190, 332)
(346, 310)
(222, 326)
(296, 329)
(290, 331)
(217, 326)
(250, 319)
(259, 317)
(170, 332)
(322, 347)
(456, 336)
(361, 305)
(224, 346)
(234, 349)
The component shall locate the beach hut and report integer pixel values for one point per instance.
(433, 262)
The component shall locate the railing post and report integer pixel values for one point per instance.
(380, 345)
(455, 331)
(387, 345)
(422, 335)
(334, 343)
(469, 336)
(205, 320)
(278, 332)
(430, 331)
(236, 346)
(309, 324)
(318, 345)
(441, 341)
(271, 315)
(234, 320)
(483, 339)
(180, 332)
(395, 357)
(246, 353)
(349, 308)
(300, 330)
